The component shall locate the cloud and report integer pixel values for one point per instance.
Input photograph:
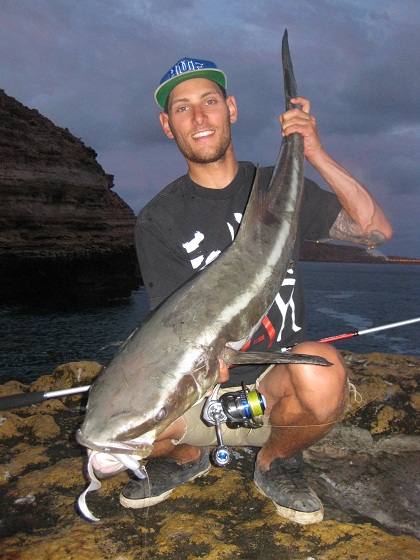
(93, 66)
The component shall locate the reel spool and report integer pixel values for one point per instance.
(243, 408)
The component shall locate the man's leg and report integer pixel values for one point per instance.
(303, 402)
(296, 406)
(170, 465)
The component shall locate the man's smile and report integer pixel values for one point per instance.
(203, 133)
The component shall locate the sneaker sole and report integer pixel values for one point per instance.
(301, 517)
(153, 500)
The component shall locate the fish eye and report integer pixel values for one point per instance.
(161, 415)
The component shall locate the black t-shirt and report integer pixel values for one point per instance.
(186, 226)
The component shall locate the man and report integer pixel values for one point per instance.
(185, 227)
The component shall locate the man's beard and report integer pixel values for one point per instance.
(217, 153)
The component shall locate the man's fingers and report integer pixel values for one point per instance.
(305, 104)
(223, 372)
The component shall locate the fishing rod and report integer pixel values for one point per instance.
(36, 397)
(368, 331)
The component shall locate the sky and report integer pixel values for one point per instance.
(92, 66)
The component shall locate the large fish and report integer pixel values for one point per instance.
(171, 361)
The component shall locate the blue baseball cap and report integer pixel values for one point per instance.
(186, 69)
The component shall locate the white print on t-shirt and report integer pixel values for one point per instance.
(194, 244)
(195, 263)
(213, 255)
(285, 305)
(238, 218)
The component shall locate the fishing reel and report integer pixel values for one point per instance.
(236, 409)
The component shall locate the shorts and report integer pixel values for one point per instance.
(200, 434)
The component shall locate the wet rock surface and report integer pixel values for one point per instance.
(365, 470)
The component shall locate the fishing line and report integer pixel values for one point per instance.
(146, 515)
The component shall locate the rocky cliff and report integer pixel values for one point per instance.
(63, 231)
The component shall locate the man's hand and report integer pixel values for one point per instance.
(301, 121)
(362, 220)
(223, 372)
(222, 376)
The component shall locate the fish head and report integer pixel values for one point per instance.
(128, 421)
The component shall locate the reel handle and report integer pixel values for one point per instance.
(237, 409)
(221, 455)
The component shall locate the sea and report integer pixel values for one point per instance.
(340, 298)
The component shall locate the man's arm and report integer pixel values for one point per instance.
(362, 219)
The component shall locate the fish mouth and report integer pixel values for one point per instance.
(142, 448)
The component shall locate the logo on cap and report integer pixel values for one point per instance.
(185, 65)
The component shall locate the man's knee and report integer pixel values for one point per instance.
(323, 389)
(320, 390)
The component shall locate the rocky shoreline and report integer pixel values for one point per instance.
(364, 470)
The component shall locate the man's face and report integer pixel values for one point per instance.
(199, 120)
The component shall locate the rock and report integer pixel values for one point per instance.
(415, 401)
(11, 388)
(45, 427)
(364, 470)
(386, 417)
(73, 374)
(63, 231)
(375, 480)
(24, 456)
(10, 425)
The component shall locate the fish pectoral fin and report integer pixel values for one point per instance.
(231, 356)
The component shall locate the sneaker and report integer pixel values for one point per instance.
(285, 485)
(164, 475)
